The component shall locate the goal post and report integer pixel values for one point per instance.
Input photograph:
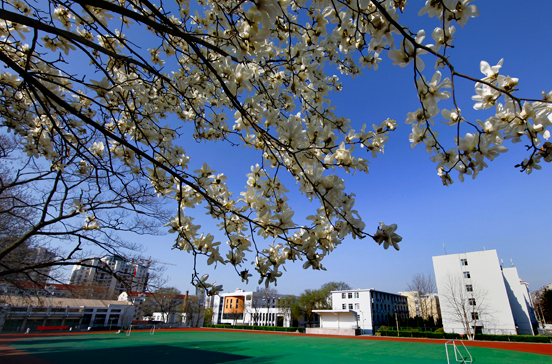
(461, 352)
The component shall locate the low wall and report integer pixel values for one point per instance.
(324, 331)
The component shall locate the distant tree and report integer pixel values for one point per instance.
(16, 213)
(261, 299)
(208, 318)
(68, 202)
(292, 310)
(318, 299)
(547, 305)
(166, 300)
(326, 290)
(464, 307)
(256, 303)
(194, 311)
(423, 284)
(268, 297)
(543, 305)
(311, 300)
(233, 315)
(89, 292)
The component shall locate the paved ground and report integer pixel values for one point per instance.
(219, 346)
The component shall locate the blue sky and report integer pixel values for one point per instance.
(502, 209)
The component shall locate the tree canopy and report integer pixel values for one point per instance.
(100, 93)
(312, 299)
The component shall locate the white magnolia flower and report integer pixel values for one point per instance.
(463, 12)
(469, 143)
(491, 73)
(454, 115)
(486, 97)
(90, 223)
(97, 148)
(214, 289)
(79, 207)
(430, 93)
(442, 37)
(432, 8)
(386, 235)
(407, 53)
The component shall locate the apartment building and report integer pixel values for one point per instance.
(477, 292)
(96, 273)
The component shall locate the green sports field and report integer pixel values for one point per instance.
(210, 347)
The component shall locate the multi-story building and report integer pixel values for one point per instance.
(39, 255)
(425, 306)
(97, 273)
(360, 311)
(248, 308)
(476, 293)
(47, 313)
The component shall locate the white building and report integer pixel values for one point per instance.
(241, 308)
(492, 299)
(360, 311)
(134, 274)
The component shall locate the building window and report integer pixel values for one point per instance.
(467, 275)
(471, 301)
(475, 316)
(237, 303)
(464, 261)
(344, 295)
(344, 306)
(469, 288)
(350, 294)
(357, 306)
(356, 294)
(350, 306)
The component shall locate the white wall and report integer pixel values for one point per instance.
(519, 300)
(488, 289)
(363, 310)
(338, 320)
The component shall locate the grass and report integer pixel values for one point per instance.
(210, 347)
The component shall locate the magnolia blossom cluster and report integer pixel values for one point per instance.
(248, 73)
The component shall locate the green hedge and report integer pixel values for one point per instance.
(428, 335)
(515, 338)
(260, 328)
(438, 335)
